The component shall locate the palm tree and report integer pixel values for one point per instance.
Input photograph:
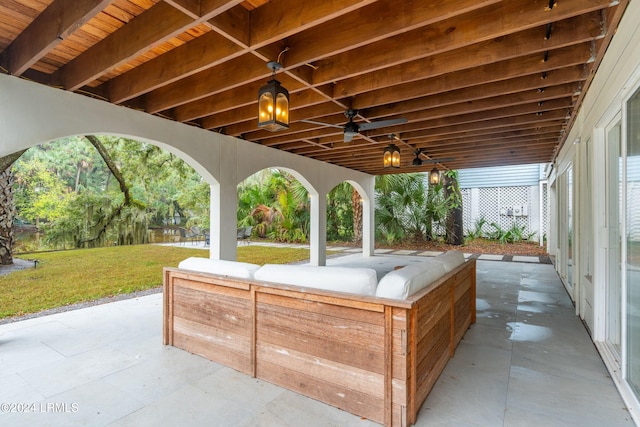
(408, 207)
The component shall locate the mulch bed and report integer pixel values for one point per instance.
(477, 246)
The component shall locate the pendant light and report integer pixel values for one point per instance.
(434, 176)
(273, 103)
(391, 157)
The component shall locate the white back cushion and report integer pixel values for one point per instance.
(404, 282)
(241, 270)
(362, 281)
(450, 260)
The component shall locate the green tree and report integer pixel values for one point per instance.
(406, 207)
(104, 190)
(340, 213)
(276, 205)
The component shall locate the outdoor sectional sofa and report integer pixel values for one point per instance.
(330, 333)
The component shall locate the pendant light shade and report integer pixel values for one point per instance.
(391, 158)
(273, 103)
(434, 176)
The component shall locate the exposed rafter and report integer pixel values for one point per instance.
(483, 82)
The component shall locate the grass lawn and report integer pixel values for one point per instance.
(69, 277)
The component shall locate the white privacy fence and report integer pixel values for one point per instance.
(524, 206)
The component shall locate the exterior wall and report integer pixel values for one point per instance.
(32, 114)
(506, 196)
(618, 76)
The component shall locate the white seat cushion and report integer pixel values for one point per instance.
(241, 270)
(450, 260)
(402, 283)
(361, 281)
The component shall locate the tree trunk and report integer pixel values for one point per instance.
(356, 205)
(7, 208)
(117, 211)
(454, 234)
(7, 213)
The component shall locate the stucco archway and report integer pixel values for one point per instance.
(31, 114)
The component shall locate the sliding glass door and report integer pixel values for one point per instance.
(632, 232)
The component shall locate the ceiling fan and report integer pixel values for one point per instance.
(419, 162)
(352, 128)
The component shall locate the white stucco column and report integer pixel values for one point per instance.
(368, 218)
(318, 238)
(223, 206)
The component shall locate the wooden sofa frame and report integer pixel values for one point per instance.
(374, 357)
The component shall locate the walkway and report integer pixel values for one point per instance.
(528, 361)
(403, 252)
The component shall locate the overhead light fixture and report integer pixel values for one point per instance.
(391, 158)
(434, 176)
(417, 161)
(273, 103)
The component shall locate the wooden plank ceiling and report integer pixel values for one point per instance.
(480, 82)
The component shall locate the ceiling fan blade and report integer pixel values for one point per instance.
(322, 124)
(381, 124)
(430, 161)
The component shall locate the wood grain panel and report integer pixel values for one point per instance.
(221, 346)
(234, 316)
(363, 404)
(321, 306)
(299, 363)
(326, 337)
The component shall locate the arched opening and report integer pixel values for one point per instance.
(88, 191)
(345, 213)
(275, 205)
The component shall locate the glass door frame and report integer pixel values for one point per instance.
(616, 351)
(564, 228)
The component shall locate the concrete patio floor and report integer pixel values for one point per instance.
(528, 361)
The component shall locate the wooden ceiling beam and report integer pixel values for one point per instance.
(465, 95)
(262, 33)
(499, 71)
(448, 64)
(300, 100)
(453, 132)
(450, 152)
(204, 52)
(208, 82)
(441, 50)
(515, 158)
(235, 25)
(156, 24)
(430, 125)
(519, 122)
(259, 41)
(357, 29)
(236, 97)
(50, 28)
(185, 86)
(277, 20)
(611, 18)
(532, 149)
(479, 77)
(568, 77)
(147, 30)
(429, 144)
